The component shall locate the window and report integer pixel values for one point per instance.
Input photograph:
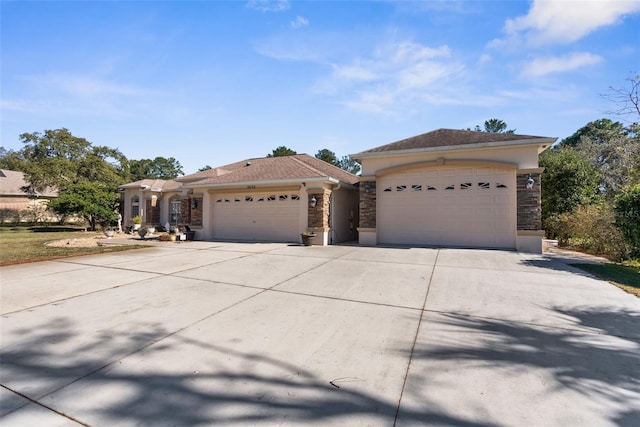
(498, 185)
(135, 206)
(175, 210)
(248, 199)
(295, 197)
(271, 198)
(450, 187)
(416, 187)
(431, 188)
(283, 197)
(484, 185)
(387, 189)
(465, 185)
(401, 187)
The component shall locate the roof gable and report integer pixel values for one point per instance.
(448, 138)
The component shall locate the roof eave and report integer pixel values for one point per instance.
(451, 148)
(273, 182)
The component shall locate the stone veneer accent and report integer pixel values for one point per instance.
(529, 202)
(318, 217)
(368, 204)
(196, 211)
(152, 214)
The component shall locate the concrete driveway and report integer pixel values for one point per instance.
(207, 333)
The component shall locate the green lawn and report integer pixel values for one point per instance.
(625, 276)
(21, 244)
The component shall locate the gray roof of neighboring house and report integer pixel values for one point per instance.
(442, 138)
(11, 183)
(157, 185)
(299, 166)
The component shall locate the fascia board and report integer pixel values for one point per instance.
(271, 183)
(454, 148)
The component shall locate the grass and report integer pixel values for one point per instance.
(20, 244)
(625, 276)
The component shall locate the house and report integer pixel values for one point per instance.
(453, 188)
(261, 199)
(16, 204)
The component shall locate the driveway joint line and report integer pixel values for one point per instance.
(42, 405)
(415, 338)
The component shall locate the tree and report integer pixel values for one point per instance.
(158, 168)
(614, 149)
(348, 164)
(599, 131)
(569, 180)
(281, 152)
(58, 159)
(494, 126)
(328, 156)
(627, 210)
(627, 100)
(11, 160)
(93, 201)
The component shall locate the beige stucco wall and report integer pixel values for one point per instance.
(522, 157)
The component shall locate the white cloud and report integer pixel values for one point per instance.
(299, 22)
(269, 5)
(560, 64)
(565, 21)
(394, 78)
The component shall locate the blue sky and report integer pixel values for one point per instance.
(211, 83)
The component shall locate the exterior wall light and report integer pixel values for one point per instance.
(367, 187)
(194, 203)
(313, 202)
(530, 182)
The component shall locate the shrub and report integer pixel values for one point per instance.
(627, 216)
(592, 228)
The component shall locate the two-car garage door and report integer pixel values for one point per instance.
(257, 216)
(439, 206)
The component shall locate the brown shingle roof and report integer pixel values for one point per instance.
(299, 166)
(11, 183)
(448, 138)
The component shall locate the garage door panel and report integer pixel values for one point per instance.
(272, 216)
(448, 206)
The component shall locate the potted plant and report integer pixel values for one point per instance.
(109, 232)
(307, 237)
(137, 221)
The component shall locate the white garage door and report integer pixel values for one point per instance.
(272, 216)
(469, 207)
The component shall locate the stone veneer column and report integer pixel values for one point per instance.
(367, 231)
(529, 211)
(318, 216)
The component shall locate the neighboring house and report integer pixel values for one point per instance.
(16, 204)
(453, 188)
(263, 199)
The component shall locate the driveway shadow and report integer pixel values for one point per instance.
(603, 363)
(265, 390)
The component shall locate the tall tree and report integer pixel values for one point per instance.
(350, 165)
(599, 131)
(158, 168)
(58, 159)
(328, 156)
(627, 99)
(493, 125)
(85, 175)
(568, 181)
(281, 152)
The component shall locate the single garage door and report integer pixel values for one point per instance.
(468, 207)
(257, 216)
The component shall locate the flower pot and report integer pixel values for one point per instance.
(142, 232)
(136, 227)
(307, 238)
(109, 233)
